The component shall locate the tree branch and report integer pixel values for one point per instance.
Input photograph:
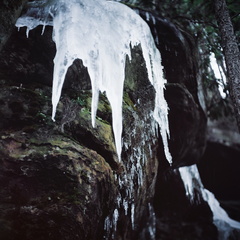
(197, 21)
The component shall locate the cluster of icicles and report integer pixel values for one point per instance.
(101, 33)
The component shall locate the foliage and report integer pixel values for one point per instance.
(198, 18)
(196, 15)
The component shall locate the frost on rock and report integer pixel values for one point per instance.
(101, 33)
(191, 180)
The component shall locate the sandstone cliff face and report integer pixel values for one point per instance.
(63, 180)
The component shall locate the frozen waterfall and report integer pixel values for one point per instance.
(101, 33)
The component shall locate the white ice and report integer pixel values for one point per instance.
(100, 33)
(219, 74)
(191, 180)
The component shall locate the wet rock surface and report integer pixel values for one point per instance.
(61, 180)
(177, 216)
(45, 188)
(216, 168)
(10, 10)
(50, 163)
(52, 186)
(187, 119)
(188, 126)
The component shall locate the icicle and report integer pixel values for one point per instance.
(219, 74)
(219, 214)
(125, 206)
(27, 32)
(152, 222)
(153, 20)
(107, 227)
(43, 29)
(147, 16)
(187, 175)
(133, 215)
(81, 30)
(115, 219)
(191, 180)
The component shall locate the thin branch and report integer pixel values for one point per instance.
(197, 21)
(234, 16)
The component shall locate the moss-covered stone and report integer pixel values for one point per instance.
(60, 180)
(53, 177)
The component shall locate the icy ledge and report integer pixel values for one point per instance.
(101, 33)
(191, 180)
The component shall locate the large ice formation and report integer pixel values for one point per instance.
(101, 33)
